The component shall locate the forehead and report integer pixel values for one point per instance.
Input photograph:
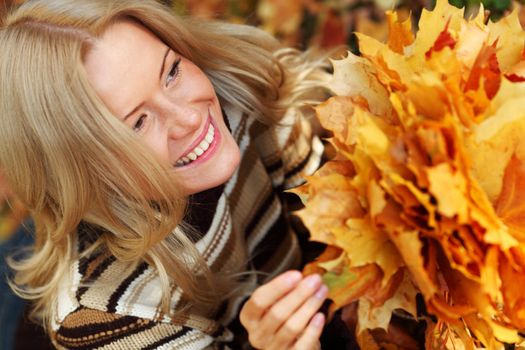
(121, 62)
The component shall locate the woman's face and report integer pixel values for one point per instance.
(167, 100)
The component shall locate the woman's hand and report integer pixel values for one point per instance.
(283, 313)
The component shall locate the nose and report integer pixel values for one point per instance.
(180, 118)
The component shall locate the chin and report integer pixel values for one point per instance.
(217, 173)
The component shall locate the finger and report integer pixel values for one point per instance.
(266, 296)
(309, 340)
(278, 314)
(297, 323)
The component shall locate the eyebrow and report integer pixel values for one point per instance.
(160, 77)
(164, 62)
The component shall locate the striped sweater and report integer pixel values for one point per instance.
(243, 227)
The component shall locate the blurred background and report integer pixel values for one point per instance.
(298, 23)
(324, 23)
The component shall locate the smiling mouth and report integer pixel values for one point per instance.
(199, 150)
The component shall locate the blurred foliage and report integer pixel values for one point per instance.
(12, 213)
(496, 7)
(326, 23)
(11, 216)
(321, 23)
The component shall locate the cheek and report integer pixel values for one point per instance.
(158, 146)
(213, 173)
(195, 77)
(231, 156)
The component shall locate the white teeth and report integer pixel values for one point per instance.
(199, 150)
(204, 145)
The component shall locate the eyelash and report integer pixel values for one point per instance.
(174, 72)
(172, 75)
(139, 123)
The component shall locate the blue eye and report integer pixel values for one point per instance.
(174, 71)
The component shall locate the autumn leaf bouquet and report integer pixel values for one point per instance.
(426, 191)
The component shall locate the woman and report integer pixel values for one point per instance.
(152, 152)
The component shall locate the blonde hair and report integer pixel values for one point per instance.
(70, 160)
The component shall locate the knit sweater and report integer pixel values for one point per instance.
(243, 227)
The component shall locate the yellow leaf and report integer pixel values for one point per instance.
(374, 246)
(481, 328)
(367, 134)
(370, 47)
(332, 256)
(509, 91)
(500, 237)
(510, 205)
(510, 38)
(503, 333)
(337, 166)
(449, 188)
(332, 199)
(427, 93)
(409, 246)
(471, 39)
(378, 316)
(333, 265)
(376, 198)
(490, 278)
(365, 171)
(399, 33)
(384, 58)
(421, 197)
(350, 284)
(334, 115)
(355, 76)
(431, 24)
(494, 141)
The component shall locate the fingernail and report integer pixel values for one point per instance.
(318, 320)
(313, 281)
(322, 292)
(293, 277)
